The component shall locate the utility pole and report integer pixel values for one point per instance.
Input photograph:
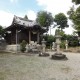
(16, 41)
(50, 35)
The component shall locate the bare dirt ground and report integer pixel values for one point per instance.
(32, 67)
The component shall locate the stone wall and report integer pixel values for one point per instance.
(13, 48)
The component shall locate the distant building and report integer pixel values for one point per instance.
(22, 29)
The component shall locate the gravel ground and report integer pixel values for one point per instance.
(32, 67)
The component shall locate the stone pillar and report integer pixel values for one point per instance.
(53, 46)
(38, 37)
(79, 43)
(29, 37)
(66, 45)
(43, 46)
(58, 48)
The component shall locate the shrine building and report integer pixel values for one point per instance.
(23, 29)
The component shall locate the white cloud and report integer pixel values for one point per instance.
(55, 7)
(5, 18)
(31, 15)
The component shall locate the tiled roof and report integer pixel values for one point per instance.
(22, 21)
(25, 23)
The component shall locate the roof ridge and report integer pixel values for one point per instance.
(22, 18)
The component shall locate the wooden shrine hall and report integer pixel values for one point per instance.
(22, 29)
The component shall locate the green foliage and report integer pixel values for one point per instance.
(1, 30)
(77, 16)
(62, 45)
(73, 43)
(23, 46)
(76, 1)
(49, 39)
(73, 40)
(59, 32)
(61, 20)
(44, 18)
(26, 17)
(74, 15)
(71, 13)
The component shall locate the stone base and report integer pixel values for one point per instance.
(78, 51)
(59, 56)
(67, 51)
(43, 54)
(12, 48)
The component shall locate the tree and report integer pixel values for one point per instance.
(71, 13)
(61, 20)
(58, 31)
(74, 15)
(49, 39)
(1, 30)
(44, 18)
(25, 17)
(76, 1)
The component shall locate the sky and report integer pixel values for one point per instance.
(9, 8)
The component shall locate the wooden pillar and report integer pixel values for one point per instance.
(38, 37)
(29, 37)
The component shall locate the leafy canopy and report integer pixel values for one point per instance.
(44, 18)
(76, 1)
(61, 20)
(1, 30)
(26, 17)
(74, 15)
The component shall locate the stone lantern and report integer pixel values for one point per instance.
(58, 41)
(58, 55)
(43, 51)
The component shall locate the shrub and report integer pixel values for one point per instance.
(62, 45)
(23, 46)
